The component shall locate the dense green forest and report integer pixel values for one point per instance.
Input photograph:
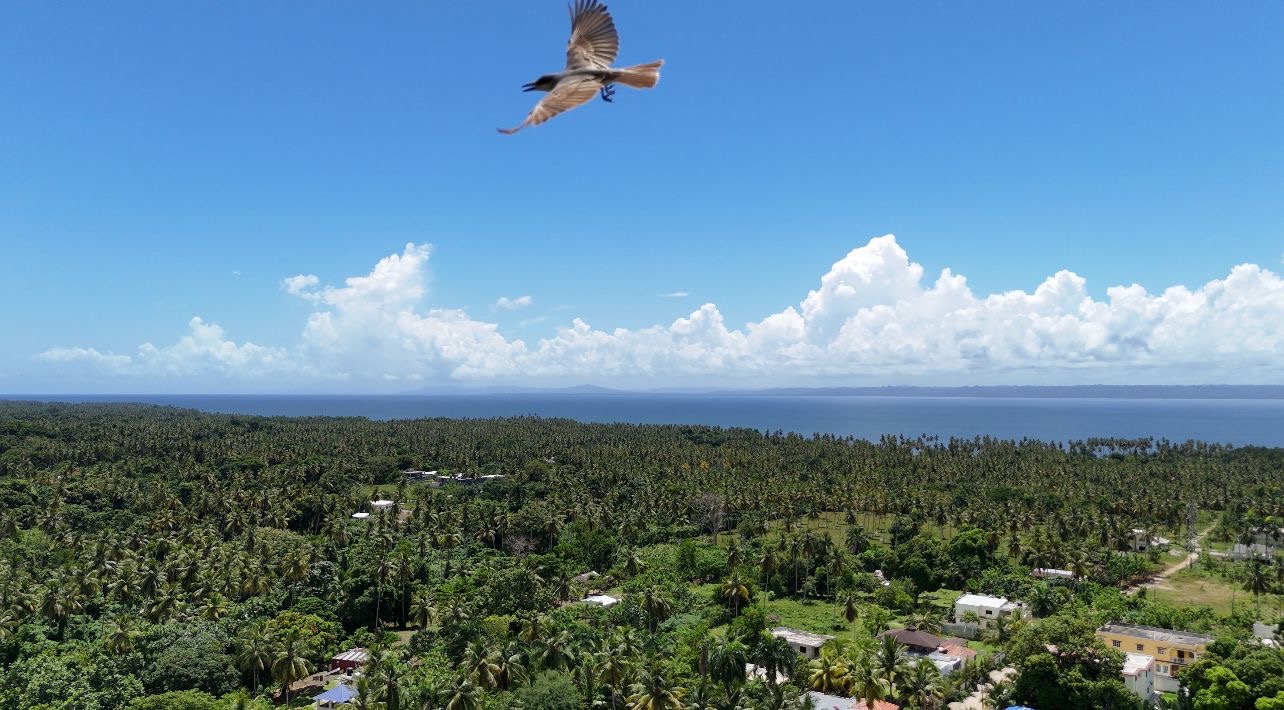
(160, 558)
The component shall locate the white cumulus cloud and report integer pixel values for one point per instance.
(874, 316)
(512, 304)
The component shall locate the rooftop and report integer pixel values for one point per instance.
(833, 702)
(982, 600)
(803, 638)
(381, 503)
(918, 639)
(359, 655)
(605, 600)
(338, 694)
(1154, 633)
(360, 515)
(1135, 663)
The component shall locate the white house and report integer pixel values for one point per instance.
(1138, 540)
(360, 516)
(1053, 574)
(805, 643)
(1139, 675)
(381, 504)
(944, 662)
(986, 608)
(759, 672)
(1266, 633)
(605, 601)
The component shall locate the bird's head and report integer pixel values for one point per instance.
(544, 83)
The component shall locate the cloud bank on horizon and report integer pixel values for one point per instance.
(871, 320)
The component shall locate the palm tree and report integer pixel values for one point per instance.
(386, 569)
(509, 670)
(477, 665)
(1257, 581)
(767, 563)
(727, 664)
(289, 664)
(465, 695)
(366, 696)
(390, 691)
(734, 590)
(533, 630)
(653, 691)
(422, 612)
(613, 670)
(850, 602)
(121, 634)
(889, 659)
(1043, 599)
(775, 657)
(633, 565)
(865, 682)
(921, 687)
(1080, 565)
(215, 607)
(655, 605)
(556, 653)
(924, 621)
(828, 674)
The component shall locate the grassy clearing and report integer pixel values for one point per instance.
(816, 616)
(1195, 588)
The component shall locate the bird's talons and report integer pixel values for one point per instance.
(607, 92)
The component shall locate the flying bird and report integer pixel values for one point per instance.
(593, 46)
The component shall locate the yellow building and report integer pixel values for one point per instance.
(1172, 650)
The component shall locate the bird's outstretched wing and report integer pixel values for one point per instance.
(594, 41)
(567, 95)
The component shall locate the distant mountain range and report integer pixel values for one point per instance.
(997, 391)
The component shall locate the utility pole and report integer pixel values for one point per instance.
(1192, 518)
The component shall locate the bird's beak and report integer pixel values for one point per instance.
(528, 87)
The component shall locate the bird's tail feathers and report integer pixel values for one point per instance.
(641, 76)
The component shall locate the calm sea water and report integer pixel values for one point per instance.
(1234, 421)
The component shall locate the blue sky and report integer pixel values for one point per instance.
(165, 162)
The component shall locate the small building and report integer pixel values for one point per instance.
(381, 504)
(882, 578)
(1172, 650)
(336, 697)
(916, 642)
(1254, 551)
(350, 660)
(986, 608)
(360, 516)
(823, 701)
(416, 475)
(805, 643)
(958, 648)
(1266, 633)
(1138, 540)
(605, 601)
(1138, 674)
(1052, 574)
(945, 663)
(753, 671)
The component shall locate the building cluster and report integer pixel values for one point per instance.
(1153, 657)
(987, 610)
(435, 479)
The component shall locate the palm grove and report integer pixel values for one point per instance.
(162, 558)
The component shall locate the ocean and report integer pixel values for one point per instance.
(1258, 422)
